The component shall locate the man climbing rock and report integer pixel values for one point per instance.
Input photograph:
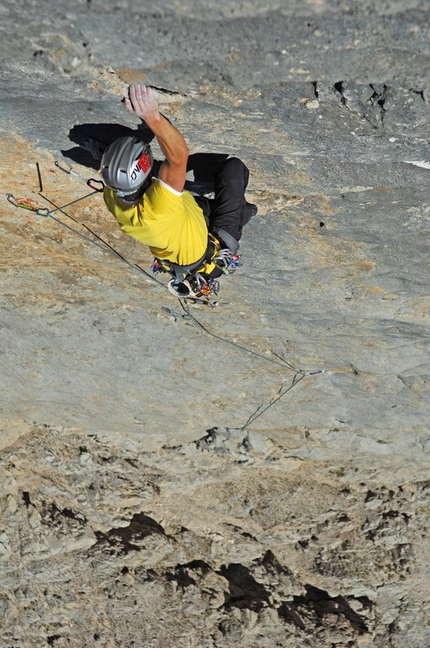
(192, 237)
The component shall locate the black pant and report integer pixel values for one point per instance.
(228, 210)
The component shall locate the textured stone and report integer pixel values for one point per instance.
(260, 479)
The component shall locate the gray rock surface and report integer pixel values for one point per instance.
(253, 475)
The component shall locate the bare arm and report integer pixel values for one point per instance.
(141, 102)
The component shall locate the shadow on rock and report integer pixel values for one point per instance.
(93, 140)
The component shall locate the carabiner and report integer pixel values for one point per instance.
(69, 169)
(174, 314)
(43, 211)
(58, 165)
(92, 181)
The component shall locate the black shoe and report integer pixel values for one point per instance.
(179, 289)
(249, 211)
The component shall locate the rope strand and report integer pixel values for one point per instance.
(258, 413)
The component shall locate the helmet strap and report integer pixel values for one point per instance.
(136, 195)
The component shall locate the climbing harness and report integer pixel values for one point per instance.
(190, 281)
(196, 288)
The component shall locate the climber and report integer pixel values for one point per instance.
(189, 236)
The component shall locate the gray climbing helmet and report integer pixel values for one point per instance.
(126, 164)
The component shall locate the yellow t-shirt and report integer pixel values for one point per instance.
(169, 222)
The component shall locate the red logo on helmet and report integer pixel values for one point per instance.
(144, 163)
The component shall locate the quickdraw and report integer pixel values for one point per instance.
(97, 186)
(196, 281)
(19, 203)
(91, 182)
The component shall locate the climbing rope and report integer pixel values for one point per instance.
(298, 376)
(48, 213)
(260, 410)
(186, 314)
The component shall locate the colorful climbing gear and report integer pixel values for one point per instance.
(226, 261)
(156, 267)
(20, 203)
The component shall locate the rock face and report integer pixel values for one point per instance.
(253, 475)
